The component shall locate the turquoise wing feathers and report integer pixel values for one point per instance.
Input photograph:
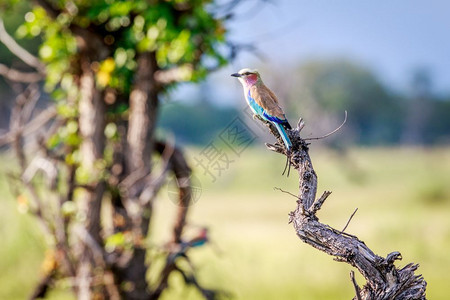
(263, 102)
(280, 124)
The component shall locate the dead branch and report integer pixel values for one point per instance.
(191, 279)
(24, 106)
(175, 253)
(181, 170)
(355, 285)
(16, 139)
(383, 279)
(18, 50)
(182, 173)
(178, 248)
(21, 125)
(19, 76)
(36, 124)
(317, 204)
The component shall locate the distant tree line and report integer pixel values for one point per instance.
(377, 114)
(320, 91)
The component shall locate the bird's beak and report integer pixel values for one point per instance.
(236, 75)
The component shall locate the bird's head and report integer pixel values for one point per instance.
(247, 77)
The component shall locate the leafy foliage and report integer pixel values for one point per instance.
(89, 53)
(182, 33)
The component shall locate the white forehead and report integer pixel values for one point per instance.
(245, 70)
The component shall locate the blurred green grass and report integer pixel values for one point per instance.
(403, 201)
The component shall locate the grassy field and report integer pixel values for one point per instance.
(403, 201)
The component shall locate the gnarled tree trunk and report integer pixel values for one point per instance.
(91, 125)
(384, 279)
(139, 147)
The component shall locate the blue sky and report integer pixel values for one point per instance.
(391, 37)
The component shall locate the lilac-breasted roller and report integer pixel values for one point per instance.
(263, 102)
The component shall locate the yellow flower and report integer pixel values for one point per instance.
(105, 70)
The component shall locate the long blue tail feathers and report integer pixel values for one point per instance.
(283, 135)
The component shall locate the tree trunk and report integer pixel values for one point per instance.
(91, 126)
(140, 146)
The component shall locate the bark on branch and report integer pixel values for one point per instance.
(19, 51)
(182, 173)
(384, 279)
(16, 75)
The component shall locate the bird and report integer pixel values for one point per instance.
(199, 240)
(264, 103)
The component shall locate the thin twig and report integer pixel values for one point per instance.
(331, 133)
(286, 192)
(357, 290)
(317, 204)
(348, 222)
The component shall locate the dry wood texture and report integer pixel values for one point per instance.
(383, 279)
